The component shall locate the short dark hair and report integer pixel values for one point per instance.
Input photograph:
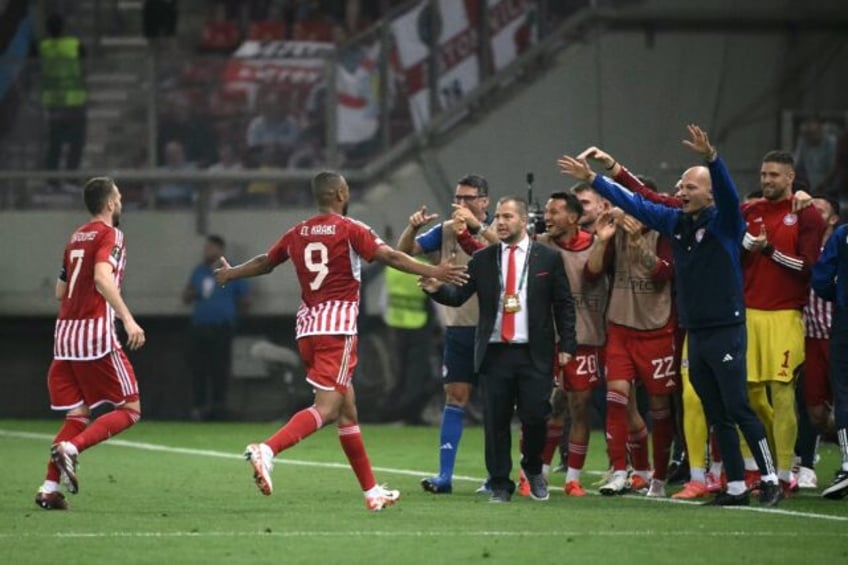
(572, 203)
(834, 203)
(520, 203)
(324, 185)
(96, 192)
(216, 240)
(780, 156)
(475, 181)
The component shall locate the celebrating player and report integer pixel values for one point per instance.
(89, 367)
(326, 250)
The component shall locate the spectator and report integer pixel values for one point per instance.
(225, 192)
(171, 193)
(182, 120)
(215, 313)
(815, 153)
(276, 126)
(63, 94)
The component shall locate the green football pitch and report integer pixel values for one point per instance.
(180, 493)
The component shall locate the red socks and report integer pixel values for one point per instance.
(638, 444)
(104, 427)
(304, 423)
(73, 426)
(353, 446)
(551, 442)
(577, 454)
(662, 436)
(617, 429)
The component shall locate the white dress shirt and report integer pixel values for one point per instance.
(521, 265)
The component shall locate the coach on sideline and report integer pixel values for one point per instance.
(513, 356)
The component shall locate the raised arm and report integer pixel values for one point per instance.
(622, 176)
(407, 243)
(655, 216)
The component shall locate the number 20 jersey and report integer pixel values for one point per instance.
(326, 251)
(85, 327)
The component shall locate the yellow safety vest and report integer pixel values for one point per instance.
(407, 307)
(61, 73)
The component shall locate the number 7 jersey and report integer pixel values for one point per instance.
(326, 251)
(85, 327)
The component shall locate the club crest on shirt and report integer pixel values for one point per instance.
(790, 219)
(699, 235)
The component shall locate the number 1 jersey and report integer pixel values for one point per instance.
(326, 251)
(85, 327)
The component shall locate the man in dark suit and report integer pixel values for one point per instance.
(524, 296)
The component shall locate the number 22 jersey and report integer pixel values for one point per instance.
(326, 251)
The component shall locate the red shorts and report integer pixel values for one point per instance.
(329, 360)
(582, 372)
(110, 379)
(647, 357)
(816, 382)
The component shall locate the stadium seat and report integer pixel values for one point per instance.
(220, 36)
(313, 30)
(266, 30)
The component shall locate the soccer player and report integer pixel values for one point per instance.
(705, 235)
(828, 281)
(471, 199)
(89, 367)
(563, 215)
(326, 250)
(640, 344)
(780, 248)
(815, 394)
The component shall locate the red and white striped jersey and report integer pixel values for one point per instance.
(85, 327)
(326, 251)
(818, 314)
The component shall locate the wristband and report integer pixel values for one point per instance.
(474, 231)
(611, 167)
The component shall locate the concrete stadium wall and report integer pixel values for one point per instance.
(634, 99)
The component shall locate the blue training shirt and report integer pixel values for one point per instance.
(707, 265)
(830, 273)
(214, 304)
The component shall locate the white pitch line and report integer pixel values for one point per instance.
(424, 534)
(408, 472)
(225, 455)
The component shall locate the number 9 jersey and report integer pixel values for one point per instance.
(326, 251)
(85, 327)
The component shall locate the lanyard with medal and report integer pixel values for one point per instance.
(512, 302)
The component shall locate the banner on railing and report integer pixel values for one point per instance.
(513, 27)
(454, 25)
(458, 66)
(298, 69)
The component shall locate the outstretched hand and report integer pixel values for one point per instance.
(699, 142)
(222, 272)
(576, 167)
(447, 272)
(429, 284)
(596, 154)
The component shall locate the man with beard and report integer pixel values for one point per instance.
(326, 251)
(89, 367)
